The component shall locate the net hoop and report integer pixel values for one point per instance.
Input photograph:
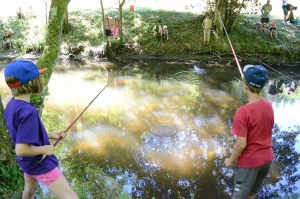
(163, 130)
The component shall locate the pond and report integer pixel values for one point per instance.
(159, 129)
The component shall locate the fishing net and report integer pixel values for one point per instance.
(189, 77)
(163, 130)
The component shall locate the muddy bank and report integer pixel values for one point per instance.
(286, 64)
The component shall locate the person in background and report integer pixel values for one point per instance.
(284, 2)
(275, 86)
(165, 32)
(207, 25)
(29, 13)
(8, 33)
(28, 134)
(290, 87)
(291, 17)
(20, 13)
(265, 16)
(286, 9)
(273, 31)
(252, 125)
(116, 28)
(157, 30)
(107, 26)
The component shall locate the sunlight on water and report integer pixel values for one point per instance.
(287, 115)
(117, 132)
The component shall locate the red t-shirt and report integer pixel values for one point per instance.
(255, 121)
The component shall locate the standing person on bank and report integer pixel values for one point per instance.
(207, 25)
(286, 9)
(8, 33)
(252, 124)
(116, 28)
(265, 16)
(107, 26)
(157, 30)
(28, 134)
(273, 31)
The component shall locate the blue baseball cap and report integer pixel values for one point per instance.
(23, 70)
(256, 75)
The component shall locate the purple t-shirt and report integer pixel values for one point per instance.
(25, 127)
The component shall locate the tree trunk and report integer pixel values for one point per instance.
(51, 51)
(121, 19)
(230, 12)
(5, 143)
(108, 51)
(102, 9)
(66, 22)
(218, 8)
(238, 15)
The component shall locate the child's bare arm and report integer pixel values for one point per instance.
(30, 150)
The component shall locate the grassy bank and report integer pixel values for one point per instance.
(185, 31)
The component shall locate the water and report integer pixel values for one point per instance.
(159, 130)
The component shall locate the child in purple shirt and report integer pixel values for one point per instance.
(28, 134)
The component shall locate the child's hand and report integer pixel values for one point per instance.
(56, 134)
(48, 149)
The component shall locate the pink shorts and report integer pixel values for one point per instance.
(46, 178)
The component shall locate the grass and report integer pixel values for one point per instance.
(184, 29)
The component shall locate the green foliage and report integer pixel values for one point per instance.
(29, 35)
(11, 182)
(185, 31)
(124, 196)
(98, 184)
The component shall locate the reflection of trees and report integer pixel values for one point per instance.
(284, 173)
(190, 162)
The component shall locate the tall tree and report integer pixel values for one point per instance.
(229, 12)
(120, 8)
(66, 21)
(53, 41)
(121, 4)
(108, 50)
(5, 143)
(102, 9)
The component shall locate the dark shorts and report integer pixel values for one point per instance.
(285, 10)
(264, 20)
(107, 33)
(248, 182)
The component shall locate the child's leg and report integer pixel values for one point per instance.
(62, 189)
(117, 32)
(30, 187)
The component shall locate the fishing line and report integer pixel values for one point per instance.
(173, 42)
(235, 56)
(283, 44)
(231, 46)
(273, 69)
(75, 120)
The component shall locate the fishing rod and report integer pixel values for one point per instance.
(75, 120)
(283, 44)
(231, 46)
(173, 41)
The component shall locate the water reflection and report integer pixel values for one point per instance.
(162, 138)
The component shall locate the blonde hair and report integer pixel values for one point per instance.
(34, 86)
(252, 89)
